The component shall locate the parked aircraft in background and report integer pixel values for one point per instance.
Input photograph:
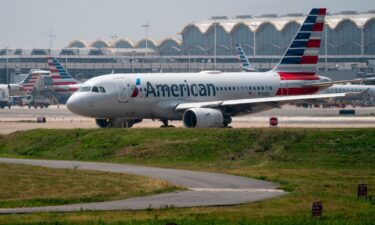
(367, 92)
(28, 84)
(246, 66)
(211, 98)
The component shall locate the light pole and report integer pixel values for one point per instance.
(133, 55)
(254, 26)
(215, 43)
(189, 60)
(326, 47)
(114, 37)
(146, 26)
(362, 40)
(6, 53)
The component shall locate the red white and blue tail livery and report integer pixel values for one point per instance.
(302, 55)
(62, 80)
(299, 62)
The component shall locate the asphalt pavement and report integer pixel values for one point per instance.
(203, 188)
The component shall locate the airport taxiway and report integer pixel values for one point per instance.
(17, 119)
(203, 188)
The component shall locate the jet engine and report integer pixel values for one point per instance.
(203, 118)
(14, 87)
(116, 123)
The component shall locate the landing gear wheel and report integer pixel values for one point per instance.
(227, 121)
(166, 124)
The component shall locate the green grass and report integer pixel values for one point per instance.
(313, 164)
(28, 186)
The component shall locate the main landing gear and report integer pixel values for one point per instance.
(227, 121)
(166, 124)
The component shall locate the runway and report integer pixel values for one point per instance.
(203, 188)
(17, 119)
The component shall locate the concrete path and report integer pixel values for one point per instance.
(204, 189)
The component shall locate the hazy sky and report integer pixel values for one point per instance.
(26, 23)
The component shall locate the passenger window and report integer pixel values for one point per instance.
(221, 88)
(95, 89)
(230, 88)
(225, 88)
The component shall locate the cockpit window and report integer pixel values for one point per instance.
(101, 89)
(85, 89)
(95, 89)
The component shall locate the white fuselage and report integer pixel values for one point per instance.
(158, 94)
(367, 90)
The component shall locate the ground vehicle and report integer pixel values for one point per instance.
(35, 102)
(4, 98)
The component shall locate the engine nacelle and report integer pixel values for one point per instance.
(14, 87)
(203, 118)
(116, 123)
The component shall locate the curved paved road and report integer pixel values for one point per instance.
(204, 189)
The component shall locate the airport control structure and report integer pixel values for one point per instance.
(347, 50)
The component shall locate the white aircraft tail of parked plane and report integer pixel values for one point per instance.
(245, 63)
(207, 99)
(27, 84)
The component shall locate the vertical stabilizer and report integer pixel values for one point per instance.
(301, 58)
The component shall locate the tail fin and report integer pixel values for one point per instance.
(302, 55)
(245, 63)
(30, 80)
(58, 73)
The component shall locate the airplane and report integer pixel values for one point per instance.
(27, 84)
(63, 82)
(246, 66)
(212, 98)
(366, 91)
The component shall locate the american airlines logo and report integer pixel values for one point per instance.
(180, 90)
(136, 88)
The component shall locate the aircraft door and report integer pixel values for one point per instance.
(123, 88)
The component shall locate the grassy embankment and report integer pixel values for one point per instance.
(28, 186)
(312, 164)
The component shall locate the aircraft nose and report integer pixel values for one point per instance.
(74, 104)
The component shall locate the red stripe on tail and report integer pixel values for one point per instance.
(318, 27)
(309, 60)
(313, 44)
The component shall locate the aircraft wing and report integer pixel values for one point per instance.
(271, 101)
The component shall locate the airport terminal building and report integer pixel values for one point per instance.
(347, 50)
